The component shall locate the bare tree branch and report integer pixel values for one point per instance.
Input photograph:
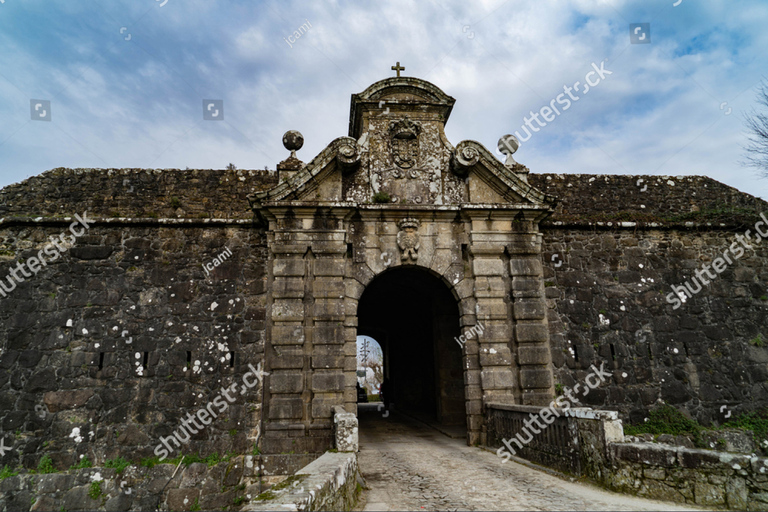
(757, 124)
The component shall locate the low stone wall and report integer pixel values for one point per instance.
(328, 483)
(592, 445)
(688, 475)
(562, 445)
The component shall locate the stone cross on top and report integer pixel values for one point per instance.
(398, 68)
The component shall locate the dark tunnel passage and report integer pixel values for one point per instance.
(415, 318)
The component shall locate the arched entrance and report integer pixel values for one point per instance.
(415, 318)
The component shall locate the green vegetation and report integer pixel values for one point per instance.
(175, 203)
(720, 213)
(239, 499)
(85, 462)
(381, 197)
(668, 420)
(118, 464)
(756, 421)
(288, 482)
(7, 473)
(233, 432)
(95, 491)
(547, 284)
(211, 460)
(151, 462)
(757, 341)
(558, 389)
(266, 495)
(195, 506)
(45, 465)
(256, 452)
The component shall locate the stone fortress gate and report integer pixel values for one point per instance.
(487, 295)
(394, 232)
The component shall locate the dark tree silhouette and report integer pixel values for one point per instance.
(757, 123)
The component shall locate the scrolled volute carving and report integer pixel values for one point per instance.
(464, 157)
(348, 154)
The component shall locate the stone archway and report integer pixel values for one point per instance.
(416, 318)
(396, 195)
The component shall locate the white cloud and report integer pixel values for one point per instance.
(139, 105)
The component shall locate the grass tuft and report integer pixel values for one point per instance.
(45, 465)
(84, 463)
(118, 464)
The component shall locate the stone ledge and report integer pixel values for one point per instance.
(119, 221)
(573, 412)
(328, 483)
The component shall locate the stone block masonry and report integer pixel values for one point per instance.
(608, 266)
(53, 250)
(197, 486)
(67, 363)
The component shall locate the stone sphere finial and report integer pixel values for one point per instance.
(508, 145)
(293, 140)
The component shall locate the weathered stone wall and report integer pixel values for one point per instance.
(136, 193)
(656, 471)
(607, 293)
(136, 275)
(688, 475)
(609, 264)
(110, 347)
(585, 199)
(223, 486)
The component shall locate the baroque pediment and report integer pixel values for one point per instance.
(397, 154)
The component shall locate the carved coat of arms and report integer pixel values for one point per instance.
(404, 136)
(408, 239)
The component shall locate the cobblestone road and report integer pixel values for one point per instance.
(408, 466)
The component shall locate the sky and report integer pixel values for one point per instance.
(127, 80)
